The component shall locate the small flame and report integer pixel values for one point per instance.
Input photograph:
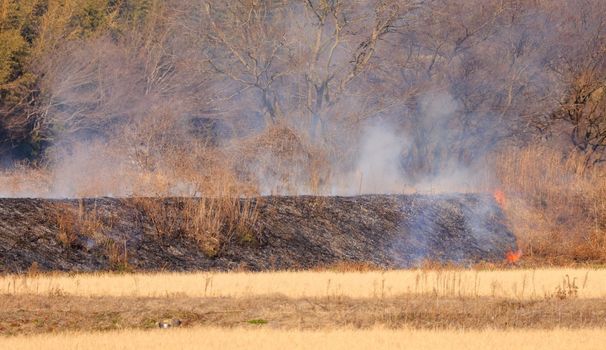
(499, 197)
(513, 257)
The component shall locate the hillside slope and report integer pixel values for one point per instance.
(290, 233)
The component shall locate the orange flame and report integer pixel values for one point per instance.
(499, 197)
(513, 257)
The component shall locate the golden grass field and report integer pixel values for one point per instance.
(553, 308)
(512, 283)
(217, 338)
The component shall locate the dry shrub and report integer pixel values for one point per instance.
(217, 211)
(74, 222)
(278, 160)
(556, 206)
(66, 220)
(212, 222)
(282, 161)
(117, 255)
(196, 193)
(193, 169)
(90, 222)
(163, 215)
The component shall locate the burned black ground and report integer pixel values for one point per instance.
(387, 231)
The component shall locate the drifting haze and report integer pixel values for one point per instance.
(204, 99)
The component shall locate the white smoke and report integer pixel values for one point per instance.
(378, 168)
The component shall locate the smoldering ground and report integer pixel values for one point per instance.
(296, 232)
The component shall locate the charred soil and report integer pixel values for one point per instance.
(387, 231)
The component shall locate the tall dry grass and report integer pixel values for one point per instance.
(73, 222)
(211, 222)
(556, 206)
(215, 210)
(511, 284)
(258, 337)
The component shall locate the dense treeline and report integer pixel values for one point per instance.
(500, 70)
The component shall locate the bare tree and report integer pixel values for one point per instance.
(580, 65)
(300, 57)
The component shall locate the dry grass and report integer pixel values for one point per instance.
(216, 338)
(517, 284)
(211, 222)
(556, 206)
(26, 314)
(66, 222)
(25, 181)
(74, 222)
(212, 207)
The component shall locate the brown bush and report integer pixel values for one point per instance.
(212, 222)
(74, 222)
(164, 217)
(282, 161)
(66, 225)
